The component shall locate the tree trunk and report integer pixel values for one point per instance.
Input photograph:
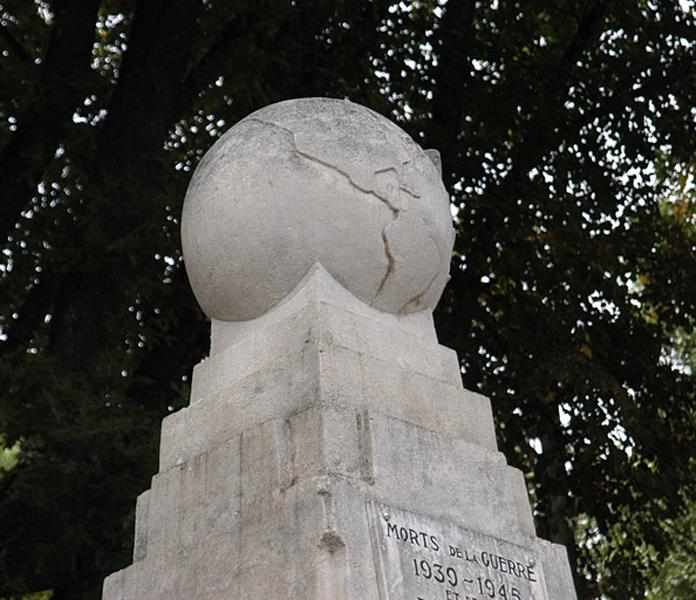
(555, 507)
(123, 182)
(59, 90)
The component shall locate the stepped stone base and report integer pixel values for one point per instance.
(303, 426)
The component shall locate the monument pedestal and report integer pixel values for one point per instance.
(330, 452)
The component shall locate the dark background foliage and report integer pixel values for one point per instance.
(567, 136)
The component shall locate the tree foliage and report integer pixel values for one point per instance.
(567, 135)
(676, 577)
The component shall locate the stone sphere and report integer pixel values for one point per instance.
(308, 181)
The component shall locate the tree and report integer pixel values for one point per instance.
(562, 127)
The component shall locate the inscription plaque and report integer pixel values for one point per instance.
(421, 558)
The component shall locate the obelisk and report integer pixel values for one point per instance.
(329, 450)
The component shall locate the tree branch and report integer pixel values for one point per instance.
(15, 46)
(153, 69)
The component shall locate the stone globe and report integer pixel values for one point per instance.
(316, 180)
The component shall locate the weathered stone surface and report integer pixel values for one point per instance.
(142, 509)
(324, 352)
(316, 180)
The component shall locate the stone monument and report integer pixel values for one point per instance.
(329, 450)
